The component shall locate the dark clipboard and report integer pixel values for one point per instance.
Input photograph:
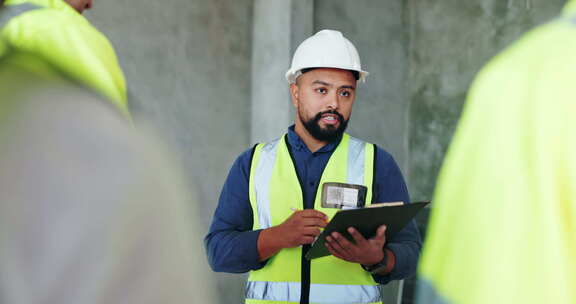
(367, 221)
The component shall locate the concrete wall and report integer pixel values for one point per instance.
(380, 113)
(189, 68)
(275, 37)
(449, 41)
(375, 27)
(187, 63)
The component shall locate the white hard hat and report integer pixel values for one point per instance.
(326, 49)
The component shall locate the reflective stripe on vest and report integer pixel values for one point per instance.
(11, 11)
(290, 292)
(262, 177)
(356, 161)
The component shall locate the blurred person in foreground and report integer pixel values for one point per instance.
(92, 210)
(57, 31)
(503, 225)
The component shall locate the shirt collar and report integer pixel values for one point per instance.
(296, 142)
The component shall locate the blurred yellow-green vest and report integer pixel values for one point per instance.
(53, 31)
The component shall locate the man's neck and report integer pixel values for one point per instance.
(312, 143)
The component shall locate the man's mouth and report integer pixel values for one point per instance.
(330, 119)
(326, 125)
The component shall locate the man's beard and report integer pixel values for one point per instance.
(328, 134)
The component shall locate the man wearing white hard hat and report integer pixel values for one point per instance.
(270, 208)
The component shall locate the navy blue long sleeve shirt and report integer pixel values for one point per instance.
(231, 243)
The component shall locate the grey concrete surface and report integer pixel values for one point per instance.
(190, 69)
(380, 112)
(270, 59)
(375, 27)
(187, 63)
(275, 37)
(450, 41)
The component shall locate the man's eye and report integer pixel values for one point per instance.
(345, 93)
(321, 90)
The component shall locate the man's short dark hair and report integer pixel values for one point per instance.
(355, 73)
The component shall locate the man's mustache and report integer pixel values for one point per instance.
(333, 112)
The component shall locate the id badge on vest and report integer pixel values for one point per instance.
(343, 196)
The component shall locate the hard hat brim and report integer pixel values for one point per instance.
(292, 74)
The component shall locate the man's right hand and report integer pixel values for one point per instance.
(301, 228)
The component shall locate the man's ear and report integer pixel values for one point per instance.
(294, 94)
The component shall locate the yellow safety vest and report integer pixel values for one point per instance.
(503, 224)
(274, 190)
(54, 31)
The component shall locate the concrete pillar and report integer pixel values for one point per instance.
(279, 27)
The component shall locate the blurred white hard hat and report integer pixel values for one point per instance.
(326, 49)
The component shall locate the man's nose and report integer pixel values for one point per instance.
(333, 102)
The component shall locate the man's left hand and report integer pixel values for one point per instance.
(364, 251)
